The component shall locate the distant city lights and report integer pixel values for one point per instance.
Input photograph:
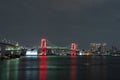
(32, 52)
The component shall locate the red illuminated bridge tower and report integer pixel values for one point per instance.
(73, 49)
(43, 46)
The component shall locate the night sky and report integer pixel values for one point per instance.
(60, 21)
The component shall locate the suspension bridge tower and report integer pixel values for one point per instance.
(73, 49)
(43, 47)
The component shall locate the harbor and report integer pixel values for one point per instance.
(59, 39)
(10, 50)
(47, 62)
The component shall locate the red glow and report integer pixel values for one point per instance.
(73, 49)
(73, 68)
(43, 67)
(43, 46)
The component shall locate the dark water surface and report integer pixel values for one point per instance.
(61, 68)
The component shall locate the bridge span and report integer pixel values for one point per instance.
(46, 49)
(9, 49)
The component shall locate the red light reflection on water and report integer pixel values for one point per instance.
(43, 68)
(73, 68)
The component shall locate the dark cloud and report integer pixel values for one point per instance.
(60, 21)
